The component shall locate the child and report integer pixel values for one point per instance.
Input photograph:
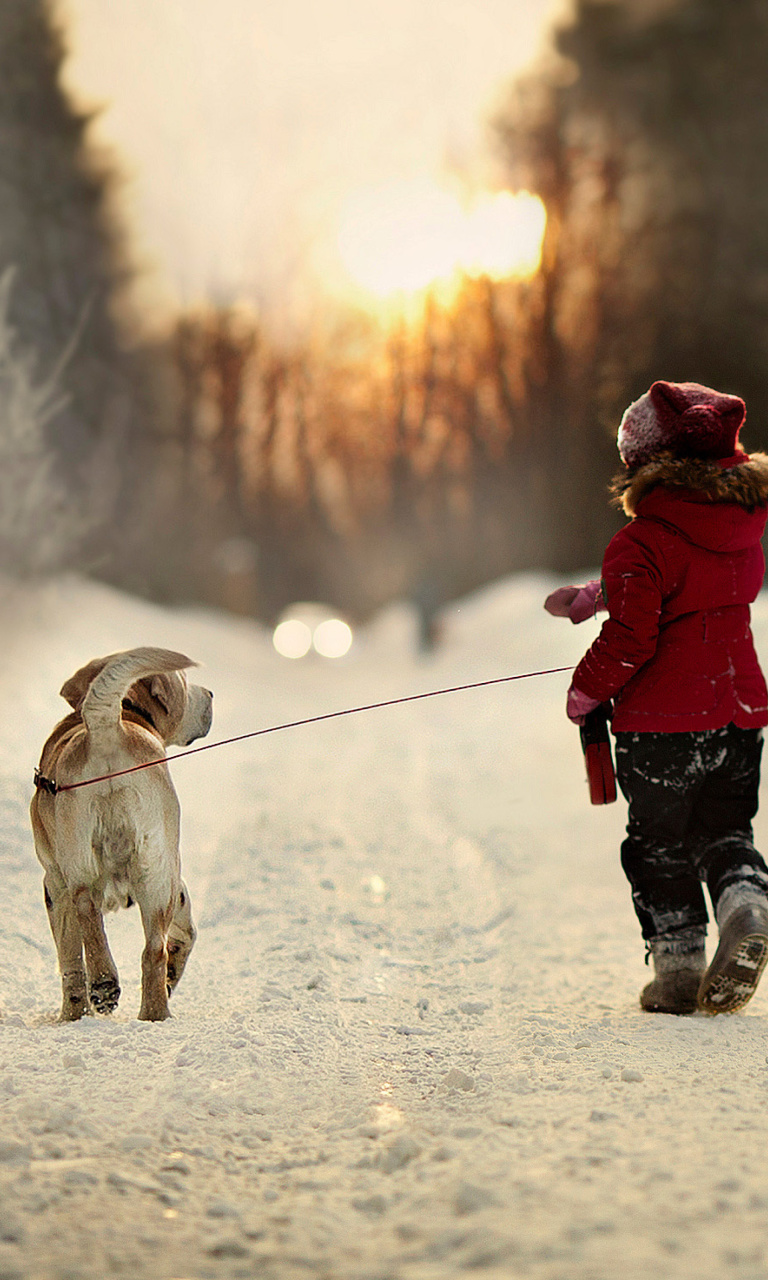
(677, 660)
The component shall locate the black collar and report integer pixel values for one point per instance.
(45, 784)
(129, 705)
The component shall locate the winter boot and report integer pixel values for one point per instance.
(732, 978)
(679, 963)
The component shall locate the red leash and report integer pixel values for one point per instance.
(46, 784)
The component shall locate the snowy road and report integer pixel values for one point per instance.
(408, 1044)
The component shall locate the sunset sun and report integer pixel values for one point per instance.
(405, 237)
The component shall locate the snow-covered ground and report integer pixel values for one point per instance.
(408, 1044)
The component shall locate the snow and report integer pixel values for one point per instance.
(408, 1044)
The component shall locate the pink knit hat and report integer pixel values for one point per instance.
(682, 418)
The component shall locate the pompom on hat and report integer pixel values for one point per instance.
(682, 418)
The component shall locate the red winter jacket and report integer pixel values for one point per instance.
(676, 652)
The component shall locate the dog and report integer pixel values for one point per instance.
(116, 842)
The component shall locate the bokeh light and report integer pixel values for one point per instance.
(332, 638)
(292, 638)
(306, 627)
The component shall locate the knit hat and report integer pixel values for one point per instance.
(682, 418)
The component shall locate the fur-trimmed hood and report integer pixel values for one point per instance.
(745, 484)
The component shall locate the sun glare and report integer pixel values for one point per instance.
(405, 238)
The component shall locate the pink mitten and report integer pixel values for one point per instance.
(579, 705)
(560, 601)
(588, 602)
(576, 603)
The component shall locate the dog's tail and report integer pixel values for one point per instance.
(102, 703)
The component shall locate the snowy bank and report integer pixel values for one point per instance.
(408, 1043)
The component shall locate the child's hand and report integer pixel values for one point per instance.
(560, 601)
(579, 705)
(576, 603)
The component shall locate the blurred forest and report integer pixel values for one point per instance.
(414, 461)
(72, 398)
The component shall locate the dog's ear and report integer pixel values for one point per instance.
(76, 687)
(160, 688)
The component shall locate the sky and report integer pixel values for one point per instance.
(242, 127)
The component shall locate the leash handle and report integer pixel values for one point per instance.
(596, 745)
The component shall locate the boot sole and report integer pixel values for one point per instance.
(736, 982)
(661, 1006)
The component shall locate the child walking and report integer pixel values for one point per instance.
(677, 660)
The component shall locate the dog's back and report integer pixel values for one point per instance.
(96, 834)
(115, 841)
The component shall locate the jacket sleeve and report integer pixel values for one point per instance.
(633, 591)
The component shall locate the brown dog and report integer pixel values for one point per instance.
(116, 842)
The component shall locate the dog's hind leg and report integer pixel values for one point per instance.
(103, 983)
(65, 928)
(181, 938)
(154, 966)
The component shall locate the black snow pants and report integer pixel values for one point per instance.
(692, 798)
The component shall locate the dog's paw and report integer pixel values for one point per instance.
(74, 1007)
(105, 994)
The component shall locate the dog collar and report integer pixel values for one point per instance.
(45, 784)
(128, 705)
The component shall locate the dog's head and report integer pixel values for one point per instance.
(179, 712)
(184, 710)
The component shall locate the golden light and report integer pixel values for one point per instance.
(504, 233)
(400, 237)
(406, 237)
